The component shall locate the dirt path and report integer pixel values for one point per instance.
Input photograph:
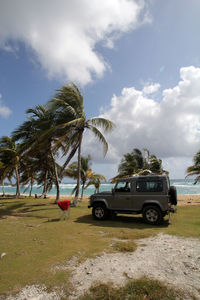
(171, 259)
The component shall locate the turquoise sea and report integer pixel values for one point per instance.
(184, 187)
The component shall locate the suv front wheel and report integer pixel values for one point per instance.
(100, 212)
(152, 215)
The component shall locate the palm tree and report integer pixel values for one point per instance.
(71, 121)
(86, 172)
(10, 160)
(46, 177)
(135, 163)
(28, 172)
(195, 168)
(96, 181)
(38, 140)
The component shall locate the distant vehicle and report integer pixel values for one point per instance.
(151, 195)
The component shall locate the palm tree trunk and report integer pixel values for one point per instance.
(79, 171)
(17, 177)
(44, 193)
(69, 157)
(3, 189)
(31, 187)
(83, 187)
(56, 176)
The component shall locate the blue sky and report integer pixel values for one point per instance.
(136, 63)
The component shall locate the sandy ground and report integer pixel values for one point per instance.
(188, 200)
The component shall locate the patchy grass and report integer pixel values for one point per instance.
(125, 246)
(137, 289)
(35, 240)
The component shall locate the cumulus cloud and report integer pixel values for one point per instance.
(169, 128)
(63, 34)
(151, 88)
(5, 112)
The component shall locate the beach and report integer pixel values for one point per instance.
(188, 200)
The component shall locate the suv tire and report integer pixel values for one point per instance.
(152, 215)
(100, 212)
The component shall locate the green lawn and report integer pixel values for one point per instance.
(35, 240)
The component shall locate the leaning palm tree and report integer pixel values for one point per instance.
(10, 155)
(37, 140)
(71, 121)
(195, 168)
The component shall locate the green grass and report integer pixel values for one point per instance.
(135, 289)
(35, 240)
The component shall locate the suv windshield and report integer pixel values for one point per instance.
(123, 187)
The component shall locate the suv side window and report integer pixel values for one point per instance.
(123, 187)
(149, 186)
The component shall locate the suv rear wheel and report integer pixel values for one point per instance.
(152, 215)
(100, 212)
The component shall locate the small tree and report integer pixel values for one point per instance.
(195, 168)
(96, 180)
(86, 172)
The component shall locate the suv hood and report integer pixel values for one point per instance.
(102, 193)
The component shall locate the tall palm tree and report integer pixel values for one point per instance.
(71, 121)
(10, 155)
(195, 168)
(37, 140)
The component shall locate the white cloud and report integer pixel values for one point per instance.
(5, 112)
(151, 88)
(63, 34)
(169, 128)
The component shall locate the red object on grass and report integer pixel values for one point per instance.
(64, 205)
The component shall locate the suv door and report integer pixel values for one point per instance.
(122, 195)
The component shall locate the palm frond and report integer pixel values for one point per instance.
(100, 137)
(103, 123)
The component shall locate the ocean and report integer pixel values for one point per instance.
(184, 187)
